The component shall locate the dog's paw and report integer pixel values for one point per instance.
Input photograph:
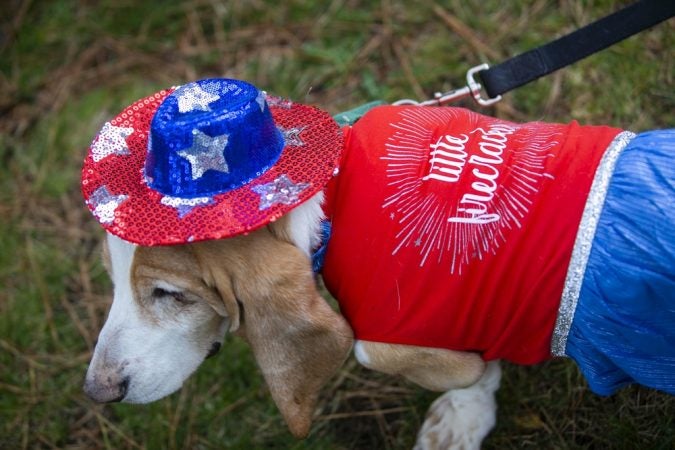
(462, 418)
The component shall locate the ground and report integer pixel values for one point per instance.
(67, 66)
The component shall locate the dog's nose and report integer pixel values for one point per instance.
(213, 350)
(106, 388)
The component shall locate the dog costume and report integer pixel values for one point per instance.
(449, 229)
(483, 226)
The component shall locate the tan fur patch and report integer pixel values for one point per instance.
(436, 369)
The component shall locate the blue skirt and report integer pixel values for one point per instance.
(623, 328)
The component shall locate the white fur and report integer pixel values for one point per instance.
(462, 418)
(361, 354)
(305, 222)
(155, 357)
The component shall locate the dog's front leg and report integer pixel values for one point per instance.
(462, 418)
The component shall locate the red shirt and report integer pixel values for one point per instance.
(455, 230)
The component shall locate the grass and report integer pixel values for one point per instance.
(68, 66)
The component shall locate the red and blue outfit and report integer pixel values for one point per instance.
(455, 230)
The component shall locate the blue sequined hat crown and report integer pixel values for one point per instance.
(209, 137)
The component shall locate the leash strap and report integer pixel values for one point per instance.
(555, 55)
(575, 46)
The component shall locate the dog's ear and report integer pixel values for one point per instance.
(220, 279)
(298, 341)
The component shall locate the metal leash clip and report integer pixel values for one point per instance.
(472, 88)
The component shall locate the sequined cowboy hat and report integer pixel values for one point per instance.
(207, 160)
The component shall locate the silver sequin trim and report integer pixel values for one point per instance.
(584, 240)
(184, 206)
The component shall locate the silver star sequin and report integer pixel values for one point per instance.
(105, 204)
(292, 136)
(206, 153)
(194, 98)
(260, 99)
(184, 206)
(281, 190)
(111, 140)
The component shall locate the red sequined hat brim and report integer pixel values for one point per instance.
(115, 188)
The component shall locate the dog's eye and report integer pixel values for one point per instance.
(180, 297)
(159, 293)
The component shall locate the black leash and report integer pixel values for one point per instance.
(575, 46)
(562, 52)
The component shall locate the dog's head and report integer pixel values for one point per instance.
(173, 305)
